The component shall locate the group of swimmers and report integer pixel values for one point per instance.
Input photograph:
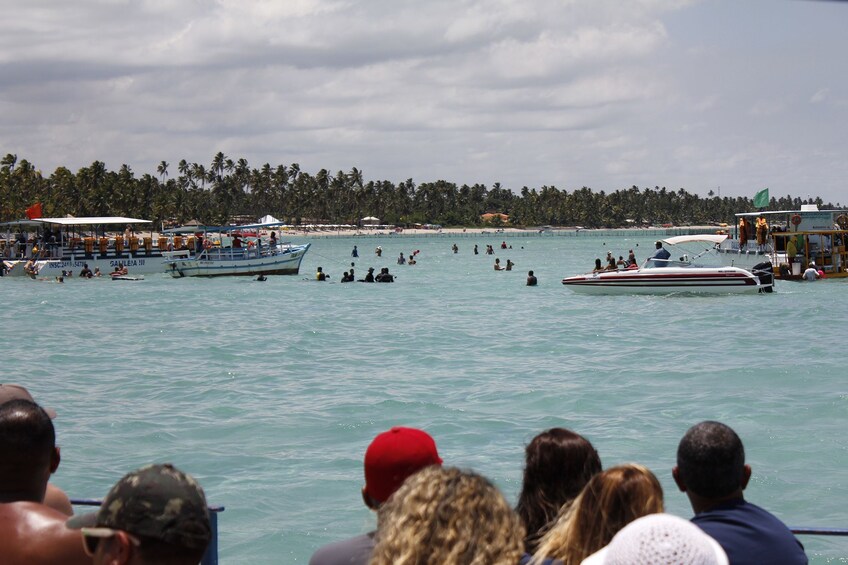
(349, 276)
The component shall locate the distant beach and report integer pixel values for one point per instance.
(654, 231)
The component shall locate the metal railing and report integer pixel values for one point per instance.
(211, 555)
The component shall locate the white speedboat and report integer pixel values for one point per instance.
(670, 276)
(229, 255)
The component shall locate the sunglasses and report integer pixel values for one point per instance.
(91, 538)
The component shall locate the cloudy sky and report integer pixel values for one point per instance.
(706, 95)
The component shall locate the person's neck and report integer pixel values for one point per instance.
(22, 495)
(704, 504)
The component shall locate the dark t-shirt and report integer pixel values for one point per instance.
(353, 551)
(751, 535)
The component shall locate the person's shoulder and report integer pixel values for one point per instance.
(353, 551)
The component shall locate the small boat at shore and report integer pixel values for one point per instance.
(790, 240)
(230, 255)
(669, 276)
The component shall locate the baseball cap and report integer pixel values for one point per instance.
(17, 392)
(155, 501)
(660, 539)
(395, 455)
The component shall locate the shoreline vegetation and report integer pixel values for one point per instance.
(231, 192)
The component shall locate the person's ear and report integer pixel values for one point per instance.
(675, 472)
(55, 459)
(369, 501)
(746, 476)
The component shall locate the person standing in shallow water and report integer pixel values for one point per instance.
(498, 265)
(355, 252)
(531, 279)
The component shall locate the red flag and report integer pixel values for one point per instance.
(34, 211)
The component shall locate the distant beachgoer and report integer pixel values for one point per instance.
(476, 251)
(531, 279)
(631, 258)
(97, 272)
(762, 232)
(355, 252)
(611, 266)
(120, 270)
(85, 272)
(503, 245)
(455, 248)
(384, 276)
(598, 267)
(812, 273)
(273, 239)
(489, 250)
(509, 265)
(401, 260)
(621, 262)
(498, 265)
(320, 275)
(369, 278)
(346, 277)
(743, 232)
(660, 256)
(411, 260)
(379, 251)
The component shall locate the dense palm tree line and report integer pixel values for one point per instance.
(228, 189)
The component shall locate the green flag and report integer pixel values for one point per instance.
(761, 200)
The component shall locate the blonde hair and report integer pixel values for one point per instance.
(447, 516)
(609, 501)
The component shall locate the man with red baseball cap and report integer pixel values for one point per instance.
(392, 457)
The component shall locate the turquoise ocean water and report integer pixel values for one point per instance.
(270, 392)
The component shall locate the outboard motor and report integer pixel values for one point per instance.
(765, 273)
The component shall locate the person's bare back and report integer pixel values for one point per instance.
(34, 534)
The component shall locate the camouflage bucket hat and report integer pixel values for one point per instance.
(156, 501)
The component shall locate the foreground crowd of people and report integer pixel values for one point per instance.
(153, 515)
(570, 510)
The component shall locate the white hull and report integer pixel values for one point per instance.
(136, 265)
(236, 262)
(666, 280)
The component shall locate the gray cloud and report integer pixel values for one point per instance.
(604, 94)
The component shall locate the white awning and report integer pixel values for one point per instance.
(92, 221)
(704, 237)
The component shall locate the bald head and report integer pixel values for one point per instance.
(711, 460)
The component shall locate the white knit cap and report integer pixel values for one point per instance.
(660, 539)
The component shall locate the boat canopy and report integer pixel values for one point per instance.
(221, 229)
(92, 221)
(704, 237)
(30, 223)
(805, 209)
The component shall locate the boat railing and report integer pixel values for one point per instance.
(211, 555)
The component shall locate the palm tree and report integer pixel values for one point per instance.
(162, 169)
